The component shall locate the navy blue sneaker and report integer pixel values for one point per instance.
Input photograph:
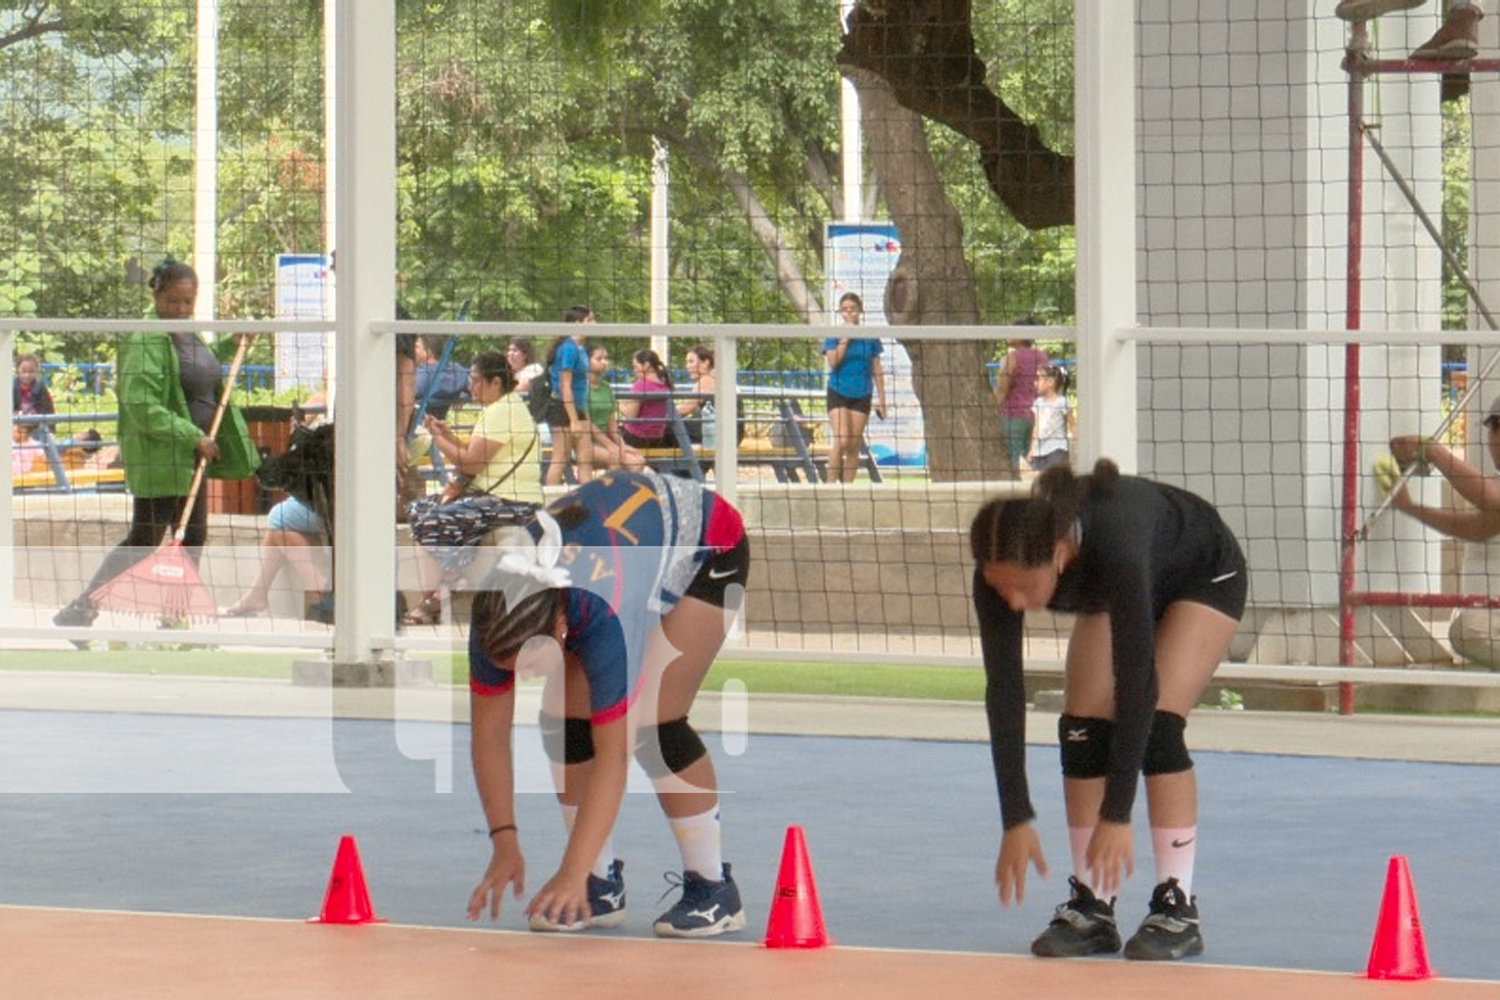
(706, 909)
(606, 904)
(1170, 930)
(1084, 925)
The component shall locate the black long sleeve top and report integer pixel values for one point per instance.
(1141, 545)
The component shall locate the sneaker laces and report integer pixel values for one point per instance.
(1084, 908)
(677, 881)
(1168, 908)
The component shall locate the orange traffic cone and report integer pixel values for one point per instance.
(796, 917)
(348, 898)
(1398, 951)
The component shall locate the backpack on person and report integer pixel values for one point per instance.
(539, 395)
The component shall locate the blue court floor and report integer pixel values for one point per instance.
(212, 814)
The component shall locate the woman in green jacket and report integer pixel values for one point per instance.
(168, 386)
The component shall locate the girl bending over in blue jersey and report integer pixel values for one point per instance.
(1158, 586)
(623, 596)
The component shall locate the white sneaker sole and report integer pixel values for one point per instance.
(730, 924)
(546, 925)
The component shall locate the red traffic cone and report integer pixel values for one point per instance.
(796, 917)
(348, 898)
(1398, 951)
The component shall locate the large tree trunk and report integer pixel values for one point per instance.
(924, 49)
(932, 285)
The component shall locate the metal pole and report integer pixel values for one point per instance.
(206, 160)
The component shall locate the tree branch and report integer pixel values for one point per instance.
(34, 28)
(924, 50)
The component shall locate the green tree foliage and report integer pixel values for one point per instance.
(526, 132)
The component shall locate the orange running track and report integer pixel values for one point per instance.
(81, 955)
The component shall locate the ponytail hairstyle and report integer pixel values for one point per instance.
(169, 272)
(652, 361)
(492, 365)
(1059, 375)
(1027, 531)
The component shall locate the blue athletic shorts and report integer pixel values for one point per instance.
(292, 514)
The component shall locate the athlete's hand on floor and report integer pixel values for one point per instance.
(1020, 847)
(507, 867)
(563, 900)
(1110, 857)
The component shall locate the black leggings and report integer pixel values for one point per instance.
(152, 521)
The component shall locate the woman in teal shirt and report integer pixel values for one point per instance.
(168, 387)
(856, 385)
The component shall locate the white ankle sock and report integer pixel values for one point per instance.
(699, 841)
(1176, 850)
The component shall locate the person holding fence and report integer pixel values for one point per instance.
(168, 386)
(622, 593)
(856, 387)
(1474, 632)
(1157, 583)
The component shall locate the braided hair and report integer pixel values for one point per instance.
(1027, 531)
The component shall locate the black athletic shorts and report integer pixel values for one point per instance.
(721, 581)
(838, 401)
(1227, 587)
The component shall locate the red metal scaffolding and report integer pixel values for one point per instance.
(1360, 67)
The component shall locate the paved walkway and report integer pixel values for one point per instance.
(1378, 737)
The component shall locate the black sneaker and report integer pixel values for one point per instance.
(606, 904)
(706, 908)
(78, 613)
(1170, 930)
(1084, 925)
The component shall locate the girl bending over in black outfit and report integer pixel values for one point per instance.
(1158, 585)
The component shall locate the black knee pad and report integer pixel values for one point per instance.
(1084, 744)
(669, 748)
(1166, 750)
(567, 741)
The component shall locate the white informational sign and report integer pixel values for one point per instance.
(304, 290)
(859, 258)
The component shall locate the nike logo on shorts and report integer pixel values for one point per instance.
(721, 574)
(1225, 576)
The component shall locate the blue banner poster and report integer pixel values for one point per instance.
(304, 291)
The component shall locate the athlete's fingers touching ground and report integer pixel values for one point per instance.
(1110, 857)
(1020, 847)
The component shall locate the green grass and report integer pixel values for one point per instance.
(757, 676)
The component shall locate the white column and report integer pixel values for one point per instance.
(661, 256)
(206, 160)
(365, 572)
(1104, 200)
(852, 141)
